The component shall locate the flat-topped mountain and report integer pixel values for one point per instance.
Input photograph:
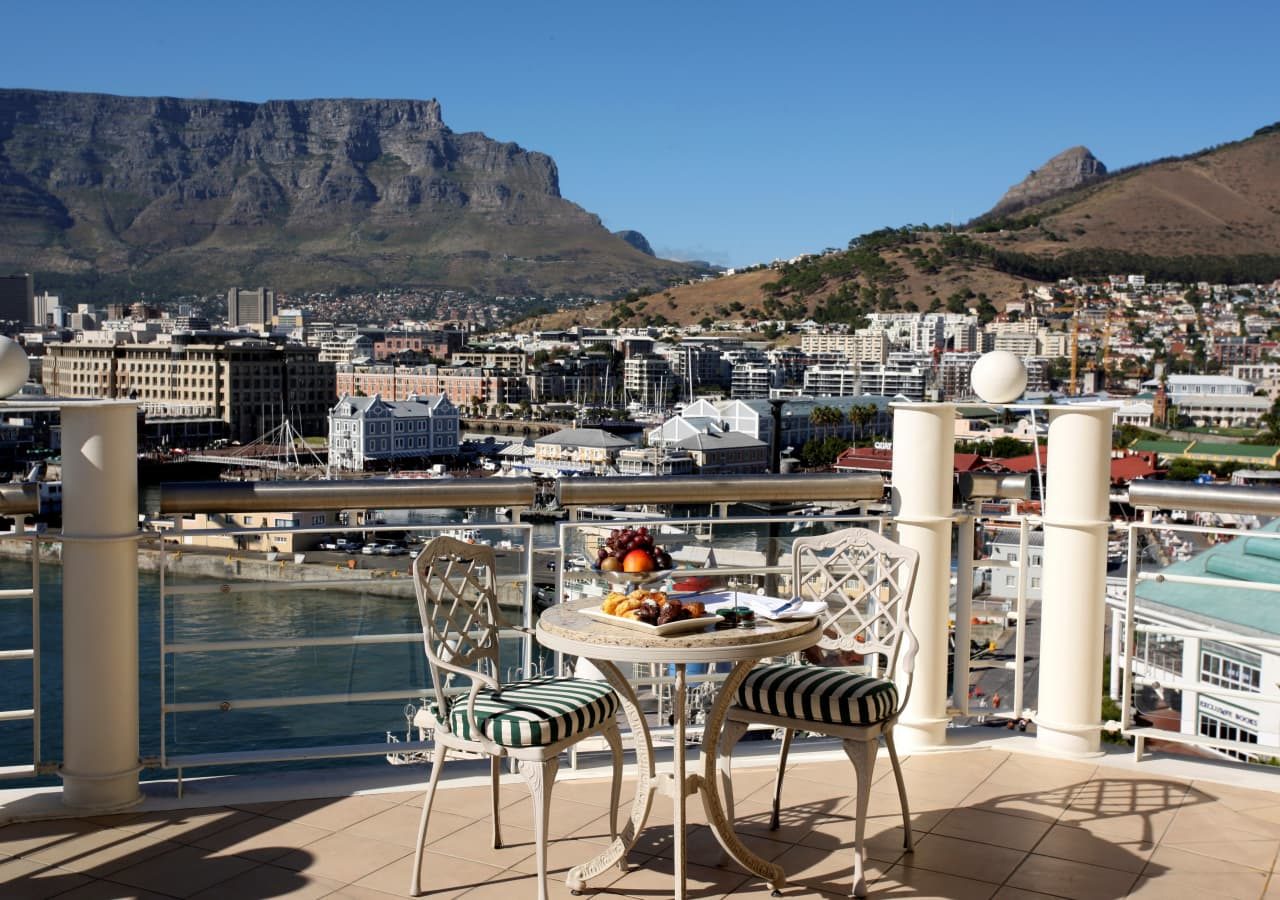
(129, 193)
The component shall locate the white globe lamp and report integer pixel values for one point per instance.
(14, 369)
(998, 377)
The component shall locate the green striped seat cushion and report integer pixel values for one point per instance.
(818, 694)
(535, 713)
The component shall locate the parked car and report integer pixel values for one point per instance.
(391, 550)
(370, 548)
(330, 544)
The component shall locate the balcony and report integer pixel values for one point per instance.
(998, 812)
(990, 822)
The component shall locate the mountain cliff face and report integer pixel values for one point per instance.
(130, 192)
(1069, 169)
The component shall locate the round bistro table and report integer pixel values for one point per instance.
(566, 630)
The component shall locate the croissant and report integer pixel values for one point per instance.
(627, 606)
(611, 602)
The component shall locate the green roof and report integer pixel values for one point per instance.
(1244, 607)
(1169, 448)
(1249, 451)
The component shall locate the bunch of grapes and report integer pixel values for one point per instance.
(622, 541)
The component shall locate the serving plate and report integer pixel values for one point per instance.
(678, 627)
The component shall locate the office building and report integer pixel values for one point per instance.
(245, 307)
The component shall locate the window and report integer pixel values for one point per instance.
(1211, 726)
(283, 523)
(1010, 580)
(317, 519)
(1230, 667)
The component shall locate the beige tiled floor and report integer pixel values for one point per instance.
(987, 824)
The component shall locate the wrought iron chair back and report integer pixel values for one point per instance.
(456, 586)
(865, 580)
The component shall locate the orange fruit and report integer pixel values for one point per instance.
(638, 561)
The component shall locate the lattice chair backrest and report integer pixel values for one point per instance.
(456, 584)
(865, 580)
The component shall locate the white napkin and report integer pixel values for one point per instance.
(764, 607)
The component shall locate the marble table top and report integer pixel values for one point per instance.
(565, 629)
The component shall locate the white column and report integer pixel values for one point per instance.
(923, 474)
(1073, 605)
(100, 605)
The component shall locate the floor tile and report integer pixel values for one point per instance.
(442, 876)
(904, 880)
(261, 839)
(967, 859)
(109, 890)
(180, 826)
(656, 877)
(1067, 878)
(826, 871)
(343, 857)
(271, 881)
(101, 851)
(1239, 885)
(334, 814)
(1082, 845)
(475, 842)
(21, 879)
(182, 872)
(987, 827)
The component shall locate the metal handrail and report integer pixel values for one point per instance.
(1229, 498)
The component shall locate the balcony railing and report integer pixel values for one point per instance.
(214, 699)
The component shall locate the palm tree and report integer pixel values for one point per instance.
(824, 417)
(860, 416)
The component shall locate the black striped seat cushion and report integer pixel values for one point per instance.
(534, 713)
(818, 694)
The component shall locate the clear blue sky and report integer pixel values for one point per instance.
(735, 132)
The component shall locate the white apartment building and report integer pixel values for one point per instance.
(1055, 344)
(648, 380)
(904, 374)
(1004, 546)
(1019, 344)
(832, 381)
(365, 430)
(752, 381)
(863, 345)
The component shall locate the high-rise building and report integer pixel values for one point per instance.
(250, 307)
(17, 293)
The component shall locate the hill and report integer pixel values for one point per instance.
(1210, 216)
(127, 194)
(908, 272)
(1220, 202)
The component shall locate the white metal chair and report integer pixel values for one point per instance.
(529, 722)
(866, 581)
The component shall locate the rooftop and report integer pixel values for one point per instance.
(1245, 559)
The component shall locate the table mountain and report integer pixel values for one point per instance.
(173, 195)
